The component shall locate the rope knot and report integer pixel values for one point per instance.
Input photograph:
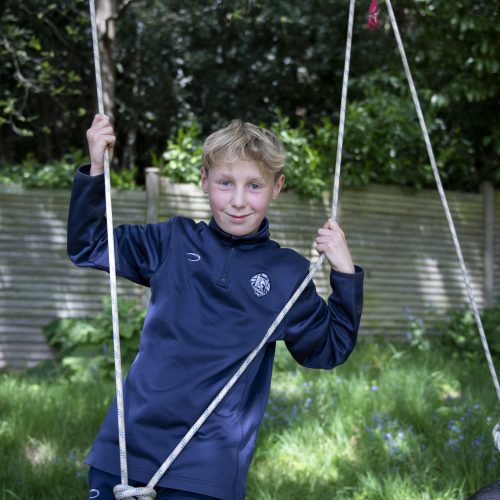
(124, 491)
(496, 436)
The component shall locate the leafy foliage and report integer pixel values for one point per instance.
(85, 346)
(380, 146)
(58, 173)
(181, 161)
(44, 75)
(459, 334)
(179, 63)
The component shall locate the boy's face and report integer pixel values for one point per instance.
(239, 193)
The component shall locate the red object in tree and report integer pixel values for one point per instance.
(372, 23)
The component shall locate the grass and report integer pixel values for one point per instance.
(392, 423)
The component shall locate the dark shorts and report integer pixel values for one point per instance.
(101, 486)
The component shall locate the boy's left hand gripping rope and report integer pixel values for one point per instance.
(123, 491)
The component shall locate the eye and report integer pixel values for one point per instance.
(225, 183)
(254, 186)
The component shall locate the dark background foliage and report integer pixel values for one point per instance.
(206, 62)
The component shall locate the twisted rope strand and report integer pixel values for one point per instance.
(112, 269)
(430, 152)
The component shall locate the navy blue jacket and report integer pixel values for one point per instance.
(213, 297)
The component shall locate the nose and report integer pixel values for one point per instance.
(238, 199)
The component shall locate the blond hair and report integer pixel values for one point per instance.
(244, 141)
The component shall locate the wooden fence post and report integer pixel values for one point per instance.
(488, 193)
(152, 194)
(152, 209)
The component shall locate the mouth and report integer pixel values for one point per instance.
(238, 218)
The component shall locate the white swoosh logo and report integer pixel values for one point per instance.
(193, 257)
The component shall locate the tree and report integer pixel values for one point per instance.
(169, 62)
(43, 77)
(106, 16)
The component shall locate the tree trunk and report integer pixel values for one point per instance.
(106, 12)
(130, 150)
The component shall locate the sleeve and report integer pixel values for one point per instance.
(323, 335)
(139, 249)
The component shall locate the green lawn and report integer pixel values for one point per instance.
(392, 423)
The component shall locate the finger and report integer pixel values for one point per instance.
(109, 140)
(322, 249)
(325, 232)
(102, 126)
(100, 117)
(106, 130)
(332, 233)
(325, 241)
(331, 224)
(100, 120)
(95, 135)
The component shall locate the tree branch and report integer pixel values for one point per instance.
(55, 32)
(121, 11)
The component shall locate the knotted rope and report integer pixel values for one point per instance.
(123, 491)
(451, 225)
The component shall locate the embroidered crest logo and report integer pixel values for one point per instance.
(260, 284)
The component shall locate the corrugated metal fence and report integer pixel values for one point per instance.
(400, 238)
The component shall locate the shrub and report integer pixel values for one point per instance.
(459, 334)
(84, 347)
(181, 161)
(305, 164)
(58, 173)
(383, 144)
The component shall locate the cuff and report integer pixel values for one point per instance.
(84, 172)
(357, 270)
(336, 277)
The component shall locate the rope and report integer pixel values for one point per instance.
(430, 152)
(496, 436)
(123, 491)
(112, 269)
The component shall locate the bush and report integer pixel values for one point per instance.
(181, 161)
(383, 144)
(58, 173)
(305, 164)
(460, 336)
(85, 346)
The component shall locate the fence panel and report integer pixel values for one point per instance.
(38, 282)
(399, 237)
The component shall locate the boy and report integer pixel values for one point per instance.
(215, 290)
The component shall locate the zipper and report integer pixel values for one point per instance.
(224, 277)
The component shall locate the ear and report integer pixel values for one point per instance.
(277, 186)
(204, 179)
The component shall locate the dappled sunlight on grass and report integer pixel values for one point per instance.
(392, 423)
(39, 452)
(46, 428)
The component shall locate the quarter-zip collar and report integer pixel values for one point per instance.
(260, 236)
